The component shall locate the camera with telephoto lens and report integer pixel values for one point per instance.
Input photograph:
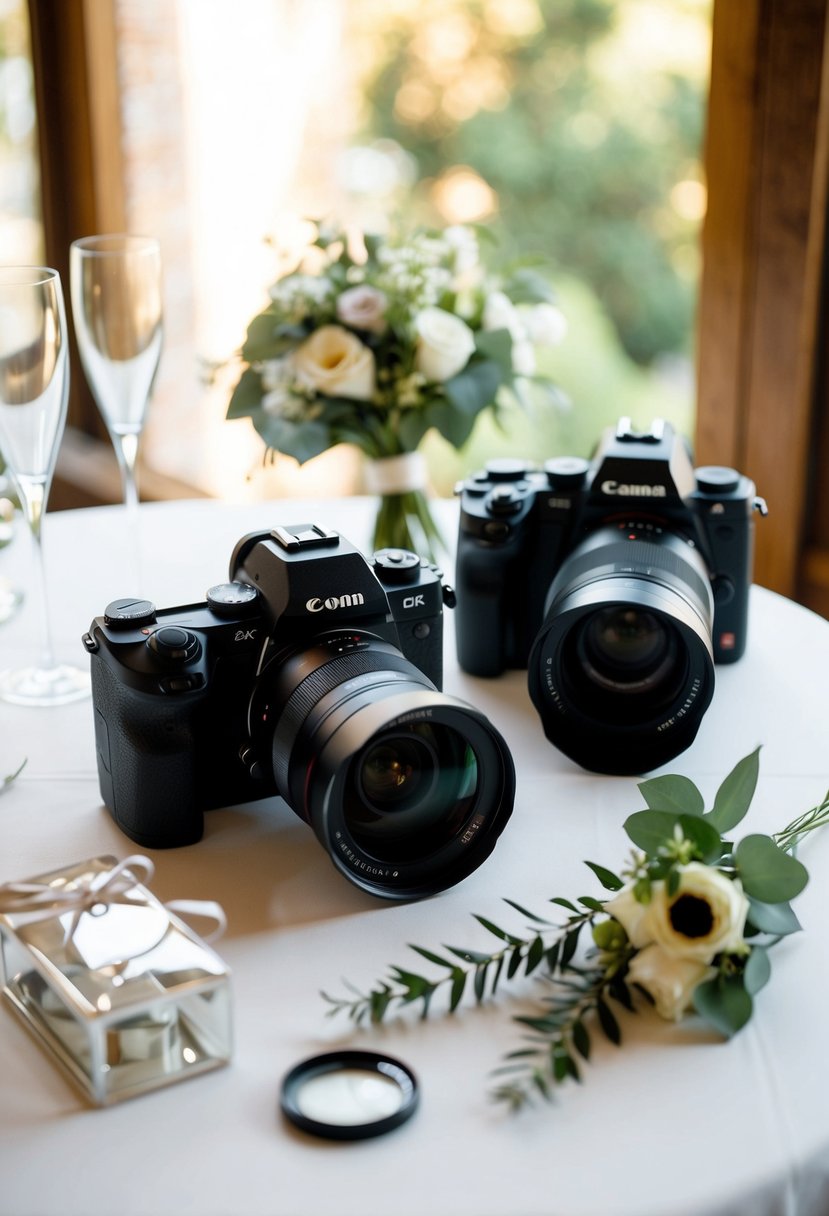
(618, 583)
(312, 674)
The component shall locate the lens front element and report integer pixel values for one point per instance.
(409, 794)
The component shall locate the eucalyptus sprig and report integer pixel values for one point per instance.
(689, 921)
(11, 777)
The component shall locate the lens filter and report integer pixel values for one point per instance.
(349, 1095)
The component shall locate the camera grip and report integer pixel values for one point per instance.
(146, 751)
(480, 615)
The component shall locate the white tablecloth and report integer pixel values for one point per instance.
(674, 1123)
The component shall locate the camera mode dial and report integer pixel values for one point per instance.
(229, 599)
(566, 472)
(506, 468)
(397, 565)
(717, 479)
(129, 613)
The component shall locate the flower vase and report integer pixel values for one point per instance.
(404, 519)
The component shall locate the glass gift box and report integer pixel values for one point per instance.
(111, 981)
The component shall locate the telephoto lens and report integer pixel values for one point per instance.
(406, 788)
(622, 669)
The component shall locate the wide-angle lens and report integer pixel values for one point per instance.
(406, 788)
(622, 669)
(410, 794)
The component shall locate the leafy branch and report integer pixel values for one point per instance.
(690, 902)
(8, 780)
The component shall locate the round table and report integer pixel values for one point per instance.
(676, 1122)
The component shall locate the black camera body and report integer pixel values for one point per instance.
(209, 704)
(637, 530)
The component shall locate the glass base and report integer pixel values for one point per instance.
(57, 685)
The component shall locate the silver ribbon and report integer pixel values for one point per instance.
(40, 901)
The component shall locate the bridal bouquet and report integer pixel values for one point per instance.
(375, 345)
(688, 926)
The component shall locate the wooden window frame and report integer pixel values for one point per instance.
(759, 405)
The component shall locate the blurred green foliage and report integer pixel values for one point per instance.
(585, 117)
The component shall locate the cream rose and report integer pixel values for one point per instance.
(363, 307)
(669, 980)
(705, 916)
(335, 362)
(444, 344)
(631, 915)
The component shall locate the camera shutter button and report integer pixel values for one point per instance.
(172, 644)
(504, 500)
(717, 479)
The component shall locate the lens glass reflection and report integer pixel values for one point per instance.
(410, 791)
(626, 649)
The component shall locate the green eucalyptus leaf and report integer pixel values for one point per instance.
(524, 912)
(469, 956)
(526, 286)
(475, 387)
(703, 835)
(767, 873)
(535, 954)
(649, 830)
(609, 880)
(564, 903)
(757, 970)
(672, 792)
(302, 440)
(779, 919)
(581, 1039)
(608, 1022)
(736, 792)
(480, 982)
(595, 905)
(458, 985)
(499, 933)
(515, 959)
(432, 958)
(246, 396)
(724, 1003)
(496, 344)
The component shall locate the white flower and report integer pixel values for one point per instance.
(363, 307)
(669, 980)
(275, 373)
(705, 916)
(631, 915)
(335, 362)
(501, 313)
(444, 345)
(464, 244)
(545, 324)
(523, 357)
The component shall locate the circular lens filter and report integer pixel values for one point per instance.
(349, 1095)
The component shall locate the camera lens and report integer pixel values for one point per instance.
(627, 650)
(406, 788)
(411, 793)
(622, 669)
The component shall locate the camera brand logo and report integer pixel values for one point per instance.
(631, 491)
(335, 601)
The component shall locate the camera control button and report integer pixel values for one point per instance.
(397, 565)
(506, 468)
(172, 644)
(716, 479)
(129, 613)
(496, 529)
(566, 472)
(505, 500)
(231, 599)
(723, 588)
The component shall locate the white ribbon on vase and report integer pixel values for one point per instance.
(396, 474)
(40, 901)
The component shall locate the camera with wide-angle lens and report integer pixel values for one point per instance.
(313, 674)
(617, 582)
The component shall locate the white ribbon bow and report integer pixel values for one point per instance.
(39, 901)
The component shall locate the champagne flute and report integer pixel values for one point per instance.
(116, 306)
(34, 393)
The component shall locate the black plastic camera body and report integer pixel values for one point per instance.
(253, 692)
(617, 582)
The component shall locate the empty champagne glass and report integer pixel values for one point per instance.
(116, 307)
(34, 392)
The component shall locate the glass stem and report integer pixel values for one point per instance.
(33, 495)
(126, 449)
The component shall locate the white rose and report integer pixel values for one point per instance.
(335, 362)
(669, 980)
(501, 313)
(444, 344)
(363, 307)
(546, 325)
(523, 358)
(631, 915)
(704, 917)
